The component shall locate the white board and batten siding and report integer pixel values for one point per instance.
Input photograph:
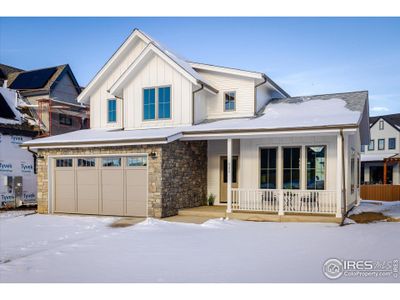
(156, 72)
(99, 97)
(244, 88)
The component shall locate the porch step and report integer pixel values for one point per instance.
(220, 212)
(204, 211)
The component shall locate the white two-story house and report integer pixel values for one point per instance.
(384, 145)
(166, 133)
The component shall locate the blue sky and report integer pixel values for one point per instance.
(303, 55)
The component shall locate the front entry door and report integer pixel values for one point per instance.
(223, 177)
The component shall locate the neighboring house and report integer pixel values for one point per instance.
(51, 94)
(165, 133)
(384, 144)
(17, 165)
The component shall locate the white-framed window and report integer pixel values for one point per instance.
(157, 103)
(230, 101)
(112, 110)
(381, 144)
(316, 167)
(381, 125)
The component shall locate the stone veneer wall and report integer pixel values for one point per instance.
(177, 176)
(184, 176)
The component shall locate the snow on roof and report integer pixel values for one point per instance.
(110, 135)
(285, 114)
(299, 112)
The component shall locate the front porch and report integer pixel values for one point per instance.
(220, 211)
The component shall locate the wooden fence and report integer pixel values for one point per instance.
(381, 192)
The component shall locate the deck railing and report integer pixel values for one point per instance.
(283, 201)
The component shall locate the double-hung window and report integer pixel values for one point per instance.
(381, 144)
(112, 110)
(316, 167)
(157, 103)
(392, 143)
(229, 101)
(291, 168)
(371, 146)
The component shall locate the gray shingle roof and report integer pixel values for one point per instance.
(355, 101)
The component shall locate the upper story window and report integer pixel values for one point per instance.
(112, 110)
(392, 143)
(65, 120)
(381, 125)
(371, 146)
(157, 103)
(230, 101)
(381, 144)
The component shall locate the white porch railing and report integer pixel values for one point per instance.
(281, 201)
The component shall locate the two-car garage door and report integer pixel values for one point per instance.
(115, 185)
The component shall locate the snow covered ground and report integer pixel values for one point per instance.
(390, 209)
(54, 248)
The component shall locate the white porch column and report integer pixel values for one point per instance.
(229, 169)
(339, 174)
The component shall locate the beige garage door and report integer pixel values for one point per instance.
(114, 185)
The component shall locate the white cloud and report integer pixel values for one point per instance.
(379, 109)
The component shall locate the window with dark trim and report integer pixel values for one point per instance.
(268, 168)
(111, 162)
(229, 101)
(392, 143)
(65, 120)
(291, 168)
(381, 125)
(64, 162)
(371, 146)
(87, 162)
(381, 144)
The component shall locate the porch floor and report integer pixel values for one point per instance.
(219, 211)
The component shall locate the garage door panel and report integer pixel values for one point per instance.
(87, 177)
(65, 191)
(136, 192)
(136, 177)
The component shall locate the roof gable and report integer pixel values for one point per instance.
(393, 120)
(132, 38)
(153, 48)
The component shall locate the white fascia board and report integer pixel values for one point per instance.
(237, 72)
(258, 134)
(117, 87)
(135, 34)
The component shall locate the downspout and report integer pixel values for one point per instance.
(255, 92)
(193, 95)
(344, 192)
